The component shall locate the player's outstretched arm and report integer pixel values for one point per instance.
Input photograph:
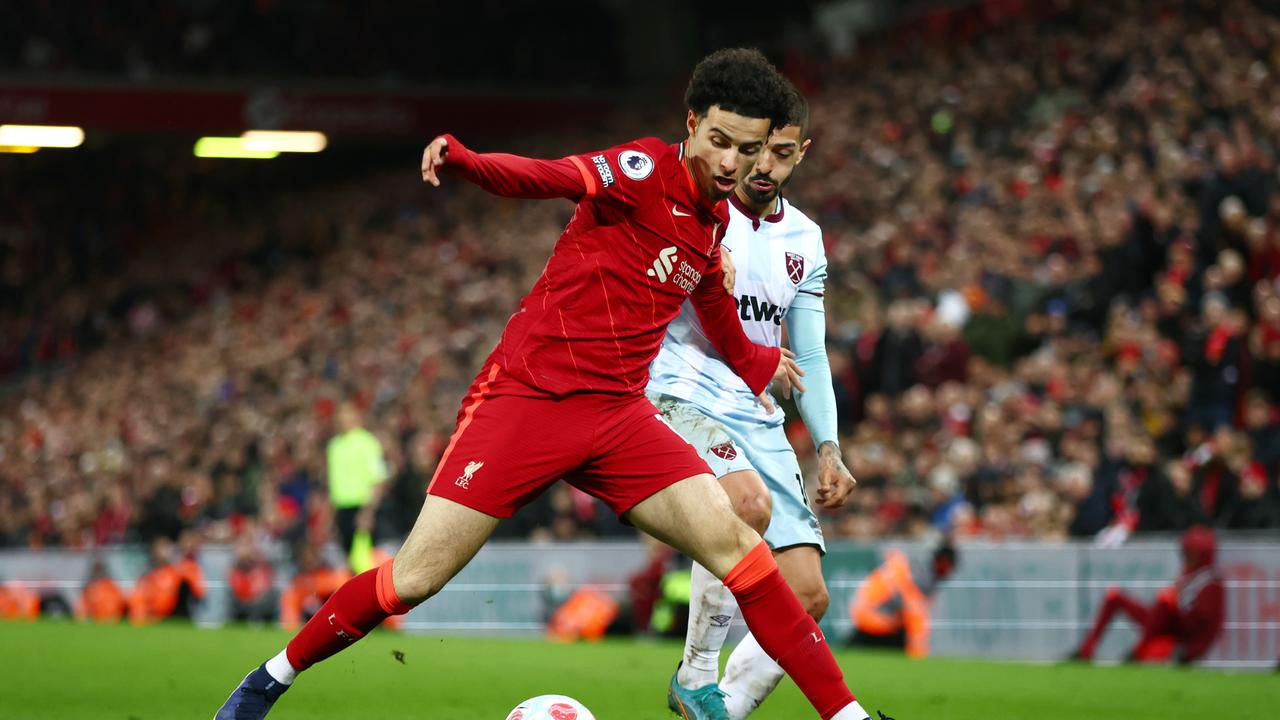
(758, 365)
(807, 328)
(506, 175)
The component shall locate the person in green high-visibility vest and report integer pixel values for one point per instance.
(671, 612)
(357, 475)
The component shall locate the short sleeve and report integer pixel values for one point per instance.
(813, 285)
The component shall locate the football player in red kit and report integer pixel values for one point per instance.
(562, 395)
(1186, 617)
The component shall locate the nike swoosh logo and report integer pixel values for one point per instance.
(677, 212)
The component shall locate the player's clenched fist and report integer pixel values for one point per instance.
(835, 482)
(433, 158)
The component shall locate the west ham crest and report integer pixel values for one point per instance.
(795, 267)
(725, 450)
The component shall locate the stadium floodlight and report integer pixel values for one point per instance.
(285, 141)
(229, 147)
(19, 149)
(38, 136)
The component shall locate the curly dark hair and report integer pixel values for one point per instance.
(742, 81)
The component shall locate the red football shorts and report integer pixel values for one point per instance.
(510, 445)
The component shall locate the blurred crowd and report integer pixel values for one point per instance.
(1053, 303)
(1058, 268)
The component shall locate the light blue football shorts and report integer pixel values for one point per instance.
(729, 446)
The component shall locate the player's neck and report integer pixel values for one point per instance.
(755, 209)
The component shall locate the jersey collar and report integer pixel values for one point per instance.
(774, 217)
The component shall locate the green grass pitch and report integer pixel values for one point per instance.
(63, 671)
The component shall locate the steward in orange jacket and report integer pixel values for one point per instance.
(313, 584)
(102, 600)
(891, 609)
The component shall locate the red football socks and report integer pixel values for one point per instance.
(770, 608)
(357, 607)
(786, 632)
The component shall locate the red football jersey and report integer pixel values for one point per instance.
(643, 239)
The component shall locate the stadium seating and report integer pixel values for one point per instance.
(1053, 303)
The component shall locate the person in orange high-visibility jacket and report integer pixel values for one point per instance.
(313, 584)
(891, 610)
(17, 602)
(587, 614)
(155, 595)
(252, 581)
(191, 589)
(102, 600)
(167, 590)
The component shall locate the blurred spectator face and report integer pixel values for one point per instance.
(775, 165)
(901, 315)
(246, 550)
(1057, 270)
(723, 147)
(189, 543)
(964, 455)
(1215, 309)
(1228, 160)
(1232, 213)
(98, 570)
(917, 405)
(348, 417)
(1232, 266)
(1141, 451)
(1271, 311)
(943, 483)
(997, 520)
(1257, 411)
(161, 552)
(1172, 297)
(1256, 234)
(160, 469)
(1195, 436)
(878, 408)
(1076, 481)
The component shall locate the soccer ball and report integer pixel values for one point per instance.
(550, 707)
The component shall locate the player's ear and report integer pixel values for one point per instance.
(804, 148)
(692, 123)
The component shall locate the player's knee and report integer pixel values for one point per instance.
(414, 582)
(814, 598)
(755, 509)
